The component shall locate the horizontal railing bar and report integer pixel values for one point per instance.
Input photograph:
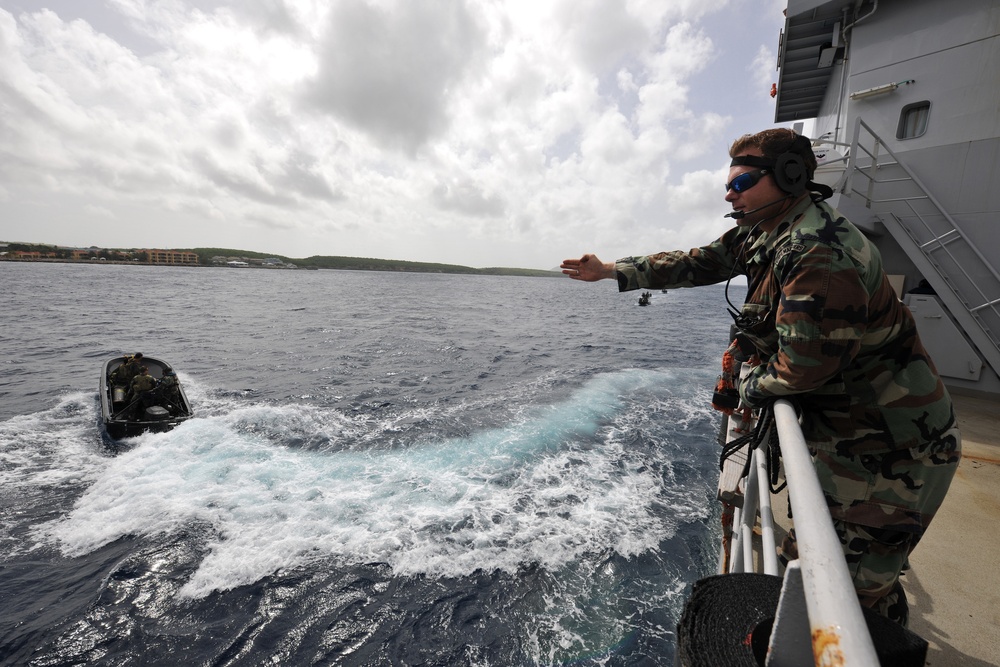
(895, 199)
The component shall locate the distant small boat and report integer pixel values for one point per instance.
(162, 412)
(644, 299)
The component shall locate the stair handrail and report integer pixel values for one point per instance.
(988, 346)
(855, 146)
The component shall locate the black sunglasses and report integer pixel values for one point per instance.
(745, 181)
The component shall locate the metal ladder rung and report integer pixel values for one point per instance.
(895, 180)
(889, 201)
(941, 240)
(985, 304)
(973, 310)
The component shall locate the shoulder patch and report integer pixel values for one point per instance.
(789, 247)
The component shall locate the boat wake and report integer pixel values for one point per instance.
(277, 487)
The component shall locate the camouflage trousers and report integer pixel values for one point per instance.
(881, 504)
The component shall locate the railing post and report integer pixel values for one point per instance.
(768, 554)
(873, 177)
(852, 163)
(839, 632)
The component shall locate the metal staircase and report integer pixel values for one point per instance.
(965, 281)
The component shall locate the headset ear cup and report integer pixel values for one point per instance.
(790, 173)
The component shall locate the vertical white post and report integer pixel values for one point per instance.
(767, 545)
(790, 644)
(735, 546)
(749, 518)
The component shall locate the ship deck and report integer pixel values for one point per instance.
(953, 584)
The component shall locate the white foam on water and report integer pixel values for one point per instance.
(545, 490)
(55, 446)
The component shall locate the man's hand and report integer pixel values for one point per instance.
(588, 268)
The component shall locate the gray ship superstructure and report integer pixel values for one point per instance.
(905, 98)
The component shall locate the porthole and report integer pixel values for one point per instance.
(913, 120)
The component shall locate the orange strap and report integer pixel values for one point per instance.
(725, 383)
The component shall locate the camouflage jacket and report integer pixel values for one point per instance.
(827, 325)
(141, 383)
(128, 370)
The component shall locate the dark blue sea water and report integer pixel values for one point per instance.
(384, 469)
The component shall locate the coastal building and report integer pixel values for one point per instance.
(29, 254)
(170, 256)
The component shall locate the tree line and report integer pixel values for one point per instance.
(205, 256)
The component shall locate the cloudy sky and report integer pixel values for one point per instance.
(475, 132)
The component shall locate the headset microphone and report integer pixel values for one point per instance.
(736, 215)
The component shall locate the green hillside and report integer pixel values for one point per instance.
(205, 256)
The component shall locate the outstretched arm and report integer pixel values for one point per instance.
(588, 268)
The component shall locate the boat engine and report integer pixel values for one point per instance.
(156, 413)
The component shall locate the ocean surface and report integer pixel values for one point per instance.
(384, 469)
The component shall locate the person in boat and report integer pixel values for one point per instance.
(141, 394)
(169, 390)
(117, 376)
(122, 376)
(830, 335)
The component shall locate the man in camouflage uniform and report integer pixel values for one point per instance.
(122, 376)
(833, 337)
(140, 391)
(170, 391)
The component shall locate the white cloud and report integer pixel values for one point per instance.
(488, 133)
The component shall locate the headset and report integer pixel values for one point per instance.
(789, 168)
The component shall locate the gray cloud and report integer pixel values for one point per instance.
(266, 16)
(603, 33)
(248, 183)
(468, 198)
(302, 175)
(390, 73)
(283, 185)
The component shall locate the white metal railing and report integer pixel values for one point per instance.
(817, 585)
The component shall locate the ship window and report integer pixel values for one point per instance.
(913, 120)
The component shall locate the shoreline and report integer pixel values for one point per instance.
(388, 267)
